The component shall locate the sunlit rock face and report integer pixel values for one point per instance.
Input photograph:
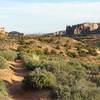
(83, 29)
(2, 32)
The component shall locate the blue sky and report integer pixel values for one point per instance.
(41, 16)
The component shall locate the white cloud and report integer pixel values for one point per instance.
(52, 7)
(77, 10)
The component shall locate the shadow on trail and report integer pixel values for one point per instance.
(15, 90)
(17, 93)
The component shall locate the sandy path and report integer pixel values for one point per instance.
(13, 77)
(19, 72)
(16, 75)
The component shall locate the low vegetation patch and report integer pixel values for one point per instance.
(67, 78)
(3, 62)
(72, 54)
(8, 54)
(39, 80)
(3, 89)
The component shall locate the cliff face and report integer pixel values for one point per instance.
(83, 29)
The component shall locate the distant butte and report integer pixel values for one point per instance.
(83, 29)
(80, 29)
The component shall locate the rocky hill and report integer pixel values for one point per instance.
(15, 33)
(80, 29)
(83, 29)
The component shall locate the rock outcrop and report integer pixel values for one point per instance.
(15, 33)
(63, 32)
(83, 29)
(2, 32)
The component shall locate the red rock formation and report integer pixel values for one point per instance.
(83, 29)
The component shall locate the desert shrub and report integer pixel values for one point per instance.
(39, 80)
(60, 93)
(67, 75)
(32, 65)
(79, 45)
(3, 62)
(21, 41)
(72, 54)
(92, 52)
(83, 90)
(65, 80)
(8, 54)
(68, 79)
(31, 61)
(42, 64)
(24, 48)
(22, 55)
(28, 56)
(49, 66)
(3, 89)
(83, 52)
(38, 51)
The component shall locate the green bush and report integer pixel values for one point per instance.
(31, 61)
(83, 53)
(49, 66)
(8, 54)
(63, 78)
(92, 52)
(39, 51)
(39, 80)
(3, 62)
(22, 55)
(28, 56)
(83, 90)
(60, 93)
(32, 65)
(3, 89)
(72, 54)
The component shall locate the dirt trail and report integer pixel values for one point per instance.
(15, 91)
(13, 76)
